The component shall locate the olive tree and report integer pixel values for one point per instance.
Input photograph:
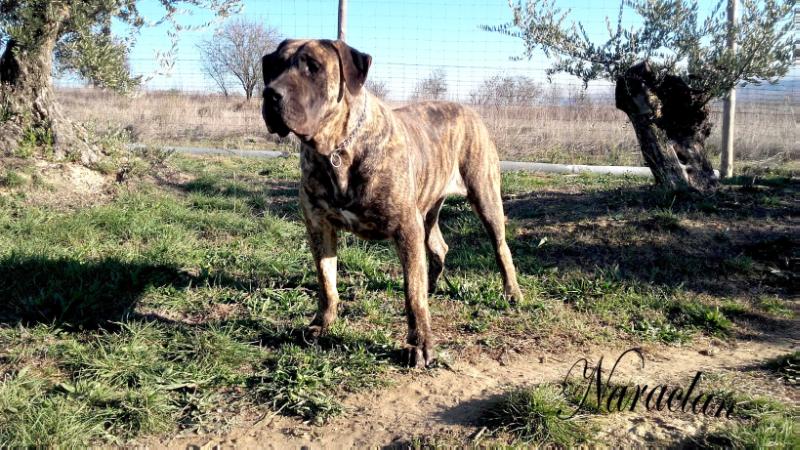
(666, 69)
(38, 35)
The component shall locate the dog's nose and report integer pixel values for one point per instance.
(272, 96)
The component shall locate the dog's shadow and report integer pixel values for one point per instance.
(82, 295)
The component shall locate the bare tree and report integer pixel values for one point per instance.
(553, 95)
(378, 88)
(233, 54)
(434, 87)
(507, 91)
(215, 69)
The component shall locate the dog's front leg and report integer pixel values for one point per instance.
(322, 240)
(410, 241)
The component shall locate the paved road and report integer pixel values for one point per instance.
(507, 166)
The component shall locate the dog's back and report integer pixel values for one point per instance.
(452, 147)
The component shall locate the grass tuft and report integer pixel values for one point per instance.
(698, 315)
(306, 381)
(532, 415)
(12, 179)
(787, 367)
(761, 423)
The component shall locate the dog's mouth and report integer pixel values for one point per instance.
(274, 120)
(275, 123)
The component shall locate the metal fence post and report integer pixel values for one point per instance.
(729, 105)
(342, 20)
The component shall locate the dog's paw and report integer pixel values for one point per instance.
(514, 296)
(318, 327)
(418, 356)
(313, 332)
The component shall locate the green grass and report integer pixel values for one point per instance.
(542, 415)
(536, 415)
(759, 423)
(302, 381)
(141, 378)
(142, 315)
(12, 179)
(786, 367)
(175, 305)
(774, 306)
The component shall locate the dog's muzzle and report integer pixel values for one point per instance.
(271, 110)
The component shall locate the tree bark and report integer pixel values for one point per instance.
(671, 124)
(28, 108)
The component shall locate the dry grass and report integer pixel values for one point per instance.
(581, 132)
(173, 117)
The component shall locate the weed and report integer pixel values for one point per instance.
(536, 415)
(35, 139)
(657, 330)
(775, 306)
(6, 108)
(666, 219)
(695, 314)
(12, 179)
(303, 381)
(761, 423)
(740, 263)
(787, 367)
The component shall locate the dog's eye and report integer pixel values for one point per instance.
(313, 66)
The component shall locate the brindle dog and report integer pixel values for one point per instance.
(379, 172)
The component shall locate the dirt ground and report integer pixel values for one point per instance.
(445, 404)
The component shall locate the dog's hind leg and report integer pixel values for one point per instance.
(435, 245)
(483, 192)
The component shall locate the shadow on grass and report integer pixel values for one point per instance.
(274, 336)
(278, 197)
(776, 199)
(88, 295)
(77, 294)
(718, 245)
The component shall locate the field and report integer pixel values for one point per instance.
(167, 309)
(557, 130)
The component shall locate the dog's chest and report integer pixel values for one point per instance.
(345, 200)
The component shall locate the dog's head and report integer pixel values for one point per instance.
(306, 81)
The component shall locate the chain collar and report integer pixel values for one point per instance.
(336, 157)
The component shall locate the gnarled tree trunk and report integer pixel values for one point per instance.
(28, 108)
(671, 124)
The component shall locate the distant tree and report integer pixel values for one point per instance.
(553, 95)
(507, 91)
(666, 69)
(234, 53)
(578, 96)
(74, 36)
(378, 88)
(215, 69)
(433, 87)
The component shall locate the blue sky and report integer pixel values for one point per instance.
(407, 39)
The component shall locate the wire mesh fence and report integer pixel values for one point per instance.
(433, 49)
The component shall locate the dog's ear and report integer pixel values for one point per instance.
(353, 67)
(270, 63)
